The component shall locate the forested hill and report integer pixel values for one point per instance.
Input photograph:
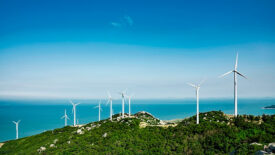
(142, 133)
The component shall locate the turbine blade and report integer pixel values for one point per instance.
(62, 117)
(192, 85)
(123, 92)
(71, 102)
(109, 95)
(77, 104)
(241, 74)
(236, 64)
(225, 74)
(108, 101)
(14, 122)
(202, 81)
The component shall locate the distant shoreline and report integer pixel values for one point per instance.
(269, 107)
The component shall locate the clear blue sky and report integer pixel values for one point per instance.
(81, 49)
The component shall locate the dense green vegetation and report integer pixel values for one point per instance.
(217, 133)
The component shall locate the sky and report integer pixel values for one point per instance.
(82, 49)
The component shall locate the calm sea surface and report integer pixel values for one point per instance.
(40, 115)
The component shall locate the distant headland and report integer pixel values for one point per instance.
(270, 107)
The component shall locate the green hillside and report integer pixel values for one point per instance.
(217, 133)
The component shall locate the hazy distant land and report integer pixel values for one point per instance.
(270, 107)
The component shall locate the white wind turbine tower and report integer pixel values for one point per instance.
(110, 100)
(123, 101)
(65, 117)
(16, 124)
(99, 109)
(235, 84)
(197, 87)
(129, 102)
(74, 110)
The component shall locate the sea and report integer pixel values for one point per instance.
(38, 116)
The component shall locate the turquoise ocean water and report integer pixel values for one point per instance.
(39, 115)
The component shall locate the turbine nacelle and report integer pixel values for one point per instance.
(16, 123)
(65, 115)
(123, 93)
(235, 70)
(74, 105)
(196, 86)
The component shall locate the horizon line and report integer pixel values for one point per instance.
(172, 98)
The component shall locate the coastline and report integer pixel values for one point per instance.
(268, 108)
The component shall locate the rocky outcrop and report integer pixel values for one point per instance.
(255, 143)
(261, 152)
(268, 149)
(79, 131)
(41, 149)
(271, 146)
(52, 145)
(104, 135)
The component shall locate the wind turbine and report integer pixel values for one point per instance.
(65, 117)
(123, 100)
(16, 124)
(235, 84)
(74, 110)
(197, 87)
(129, 102)
(99, 109)
(110, 100)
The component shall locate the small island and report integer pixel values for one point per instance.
(270, 107)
